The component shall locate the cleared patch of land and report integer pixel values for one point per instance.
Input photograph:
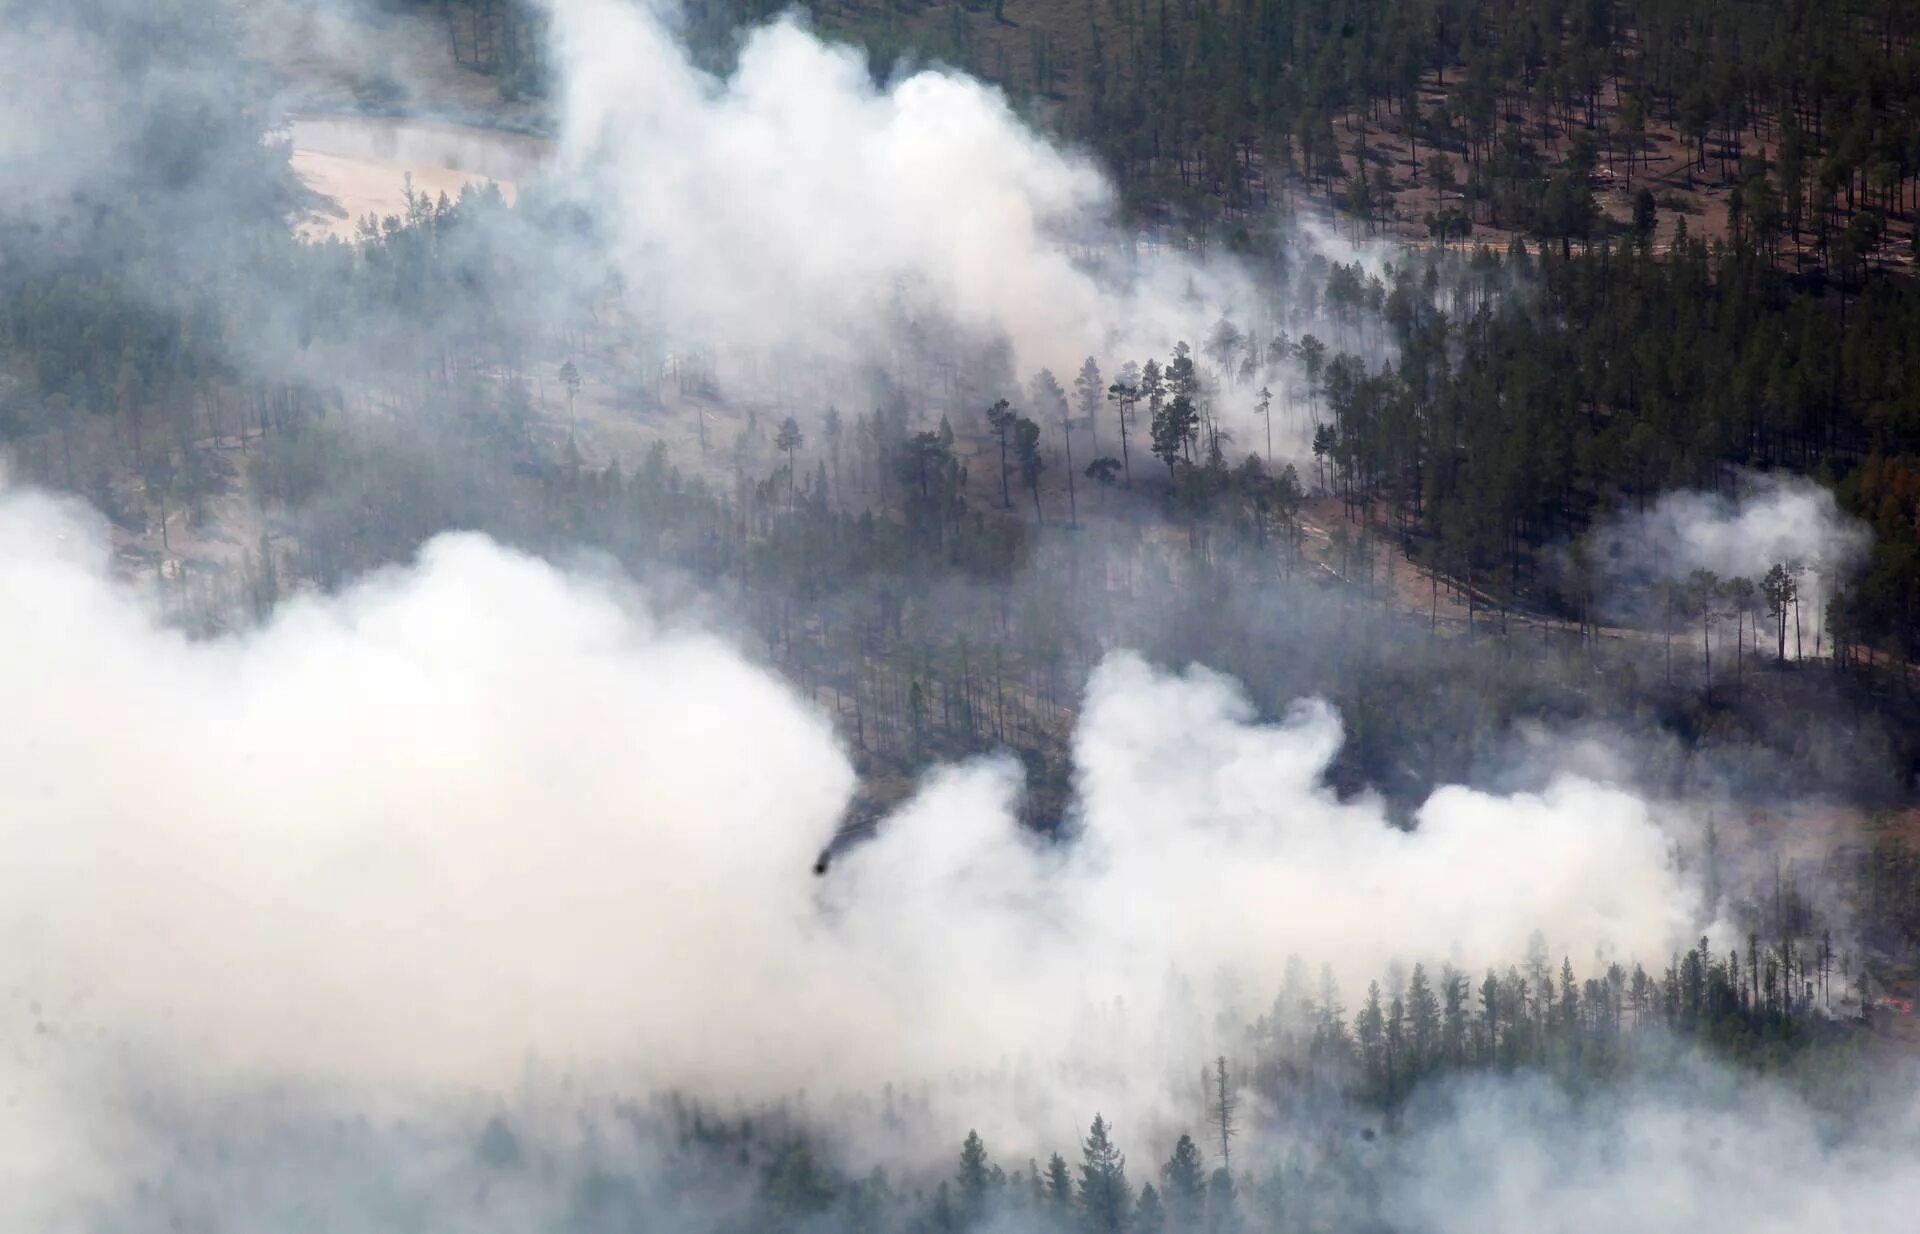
(364, 165)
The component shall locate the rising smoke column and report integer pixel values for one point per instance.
(793, 206)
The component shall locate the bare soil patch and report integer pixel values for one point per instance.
(362, 165)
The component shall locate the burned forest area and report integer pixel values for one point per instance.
(959, 616)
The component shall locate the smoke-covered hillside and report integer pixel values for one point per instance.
(798, 667)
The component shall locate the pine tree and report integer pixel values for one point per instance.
(1001, 417)
(1453, 1017)
(1423, 1015)
(1149, 1217)
(787, 441)
(1223, 1108)
(1489, 1016)
(1168, 434)
(1026, 441)
(1124, 393)
(1059, 1186)
(1050, 400)
(1088, 391)
(1370, 1030)
(1185, 1181)
(1105, 1198)
(972, 1178)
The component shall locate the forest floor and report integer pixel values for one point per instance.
(156, 542)
(1684, 187)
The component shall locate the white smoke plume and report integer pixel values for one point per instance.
(1772, 520)
(794, 206)
(478, 810)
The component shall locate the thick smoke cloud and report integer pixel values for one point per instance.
(396, 843)
(793, 206)
(811, 237)
(479, 810)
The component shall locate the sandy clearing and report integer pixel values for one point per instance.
(360, 165)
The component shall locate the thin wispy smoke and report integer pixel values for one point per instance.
(114, 102)
(1771, 520)
(1687, 1148)
(1695, 1148)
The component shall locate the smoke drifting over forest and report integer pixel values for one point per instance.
(788, 224)
(480, 811)
(794, 207)
(479, 808)
(299, 914)
(1773, 520)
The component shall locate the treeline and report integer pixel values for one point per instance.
(1219, 107)
(1620, 376)
(506, 38)
(796, 1185)
(1295, 1137)
(1755, 1003)
(1529, 397)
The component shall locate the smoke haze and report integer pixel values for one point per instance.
(1770, 521)
(479, 809)
(292, 911)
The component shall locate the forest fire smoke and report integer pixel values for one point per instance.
(1770, 524)
(476, 810)
(794, 207)
(481, 835)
